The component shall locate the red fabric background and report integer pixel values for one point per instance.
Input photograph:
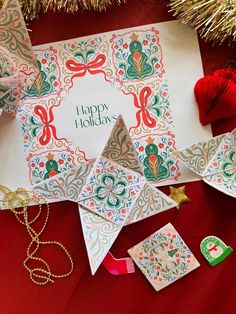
(206, 290)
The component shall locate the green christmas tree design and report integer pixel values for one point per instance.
(138, 66)
(51, 167)
(171, 253)
(41, 86)
(154, 168)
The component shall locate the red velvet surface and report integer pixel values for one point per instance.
(205, 290)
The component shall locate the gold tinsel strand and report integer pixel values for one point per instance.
(32, 8)
(215, 20)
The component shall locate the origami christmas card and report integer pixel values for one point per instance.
(163, 257)
(111, 191)
(145, 73)
(214, 160)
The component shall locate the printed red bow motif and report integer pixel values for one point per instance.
(49, 130)
(143, 112)
(92, 67)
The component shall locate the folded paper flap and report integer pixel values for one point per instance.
(150, 202)
(214, 160)
(18, 66)
(99, 235)
(120, 147)
(229, 190)
(10, 97)
(66, 185)
(227, 143)
(11, 81)
(234, 135)
(198, 156)
(15, 36)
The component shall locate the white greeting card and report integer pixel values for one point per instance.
(145, 73)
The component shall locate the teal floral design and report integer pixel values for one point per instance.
(229, 167)
(111, 191)
(138, 56)
(46, 81)
(9, 98)
(159, 104)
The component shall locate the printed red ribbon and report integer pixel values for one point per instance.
(143, 112)
(91, 67)
(49, 130)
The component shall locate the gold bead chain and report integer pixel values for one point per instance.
(21, 198)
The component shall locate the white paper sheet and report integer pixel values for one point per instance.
(181, 62)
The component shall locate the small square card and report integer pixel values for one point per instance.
(163, 257)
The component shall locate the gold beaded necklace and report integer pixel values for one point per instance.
(17, 201)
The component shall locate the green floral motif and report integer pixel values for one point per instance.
(34, 126)
(51, 167)
(154, 167)
(111, 191)
(4, 66)
(84, 51)
(229, 167)
(43, 85)
(8, 98)
(159, 104)
(138, 67)
(5, 93)
(85, 56)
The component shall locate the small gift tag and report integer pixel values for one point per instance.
(214, 250)
(163, 257)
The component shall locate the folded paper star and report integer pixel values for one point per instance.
(16, 57)
(214, 160)
(178, 195)
(111, 191)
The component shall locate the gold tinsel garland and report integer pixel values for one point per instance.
(31, 8)
(215, 20)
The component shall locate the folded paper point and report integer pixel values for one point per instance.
(214, 160)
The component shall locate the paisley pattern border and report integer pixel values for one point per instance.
(120, 148)
(197, 156)
(150, 202)
(99, 235)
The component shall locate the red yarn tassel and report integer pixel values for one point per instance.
(216, 95)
